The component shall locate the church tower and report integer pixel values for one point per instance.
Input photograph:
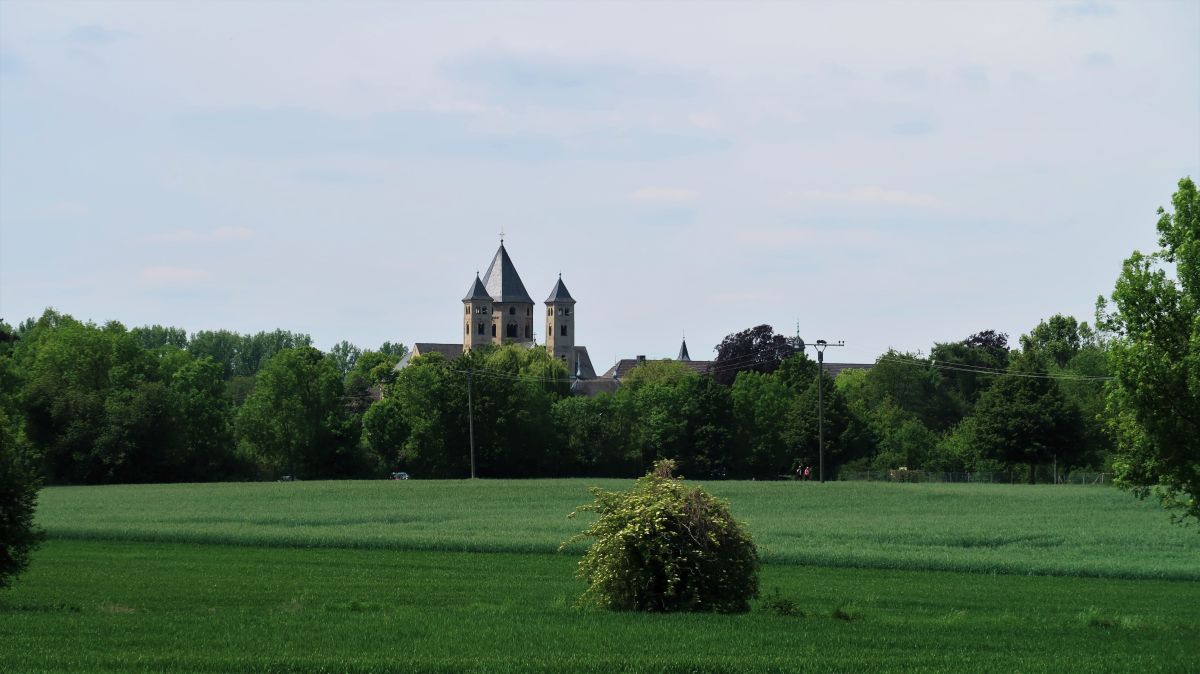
(477, 316)
(560, 325)
(512, 308)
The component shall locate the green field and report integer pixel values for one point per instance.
(451, 576)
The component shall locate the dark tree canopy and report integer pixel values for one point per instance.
(18, 481)
(756, 349)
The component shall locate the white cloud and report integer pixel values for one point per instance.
(166, 275)
(218, 235)
(876, 195)
(675, 195)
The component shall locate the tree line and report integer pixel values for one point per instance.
(104, 404)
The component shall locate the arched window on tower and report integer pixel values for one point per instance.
(481, 330)
(493, 329)
(528, 331)
(563, 329)
(512, 311)
(511, 330)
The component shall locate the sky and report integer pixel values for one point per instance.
(889, 174)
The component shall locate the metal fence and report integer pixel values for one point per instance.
(996, 478)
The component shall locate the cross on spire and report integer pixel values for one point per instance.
(501, 236)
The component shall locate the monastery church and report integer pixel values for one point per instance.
(498, 310)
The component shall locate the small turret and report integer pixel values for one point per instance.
(560, 325)
(477, 316)
(683, 354)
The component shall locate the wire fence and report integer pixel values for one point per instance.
(995, 478)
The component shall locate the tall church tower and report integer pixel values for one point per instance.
(512, 308)
(477, 316)
(560, 325)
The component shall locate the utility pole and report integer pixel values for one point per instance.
(821, 346)
(471, 423)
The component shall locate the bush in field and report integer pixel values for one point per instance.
(663, 546)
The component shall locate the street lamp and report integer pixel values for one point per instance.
(821, 346)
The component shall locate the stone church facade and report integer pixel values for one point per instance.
(498, 310)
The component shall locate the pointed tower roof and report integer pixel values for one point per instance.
(502, 281)
(477, 292)
(683, 354)
(559, 293)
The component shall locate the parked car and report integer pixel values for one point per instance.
(400, 476)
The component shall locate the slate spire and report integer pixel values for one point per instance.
(683, 354)
(477, 292)
(559, 293)
(501, 280)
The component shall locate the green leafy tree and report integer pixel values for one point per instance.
(296, 419)
(1025, 419)
(1058, 338)
(18, 481)
(222, 346)
(151, 337)
(431, 397)
(677, 414)
(982, 350)
(803, 429)
(386, 429)
(913, 385)
(1154, 401)
(394, 349)
(594, 431)
(663, 546)
(761, 404)
(344, 355)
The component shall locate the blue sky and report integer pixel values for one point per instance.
(890, 174)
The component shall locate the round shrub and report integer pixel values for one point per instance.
(663, 546)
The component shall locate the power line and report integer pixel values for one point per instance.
(978, 369)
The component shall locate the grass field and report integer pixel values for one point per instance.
(454, 576)
(1053, 530)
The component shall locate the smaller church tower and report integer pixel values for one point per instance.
(560, 325)
(477, 316)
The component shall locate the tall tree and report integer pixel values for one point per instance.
(344, 356)
(1155, 399)
(18, 481)
(1058, 338)
(296, 419)
(1025, 419)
